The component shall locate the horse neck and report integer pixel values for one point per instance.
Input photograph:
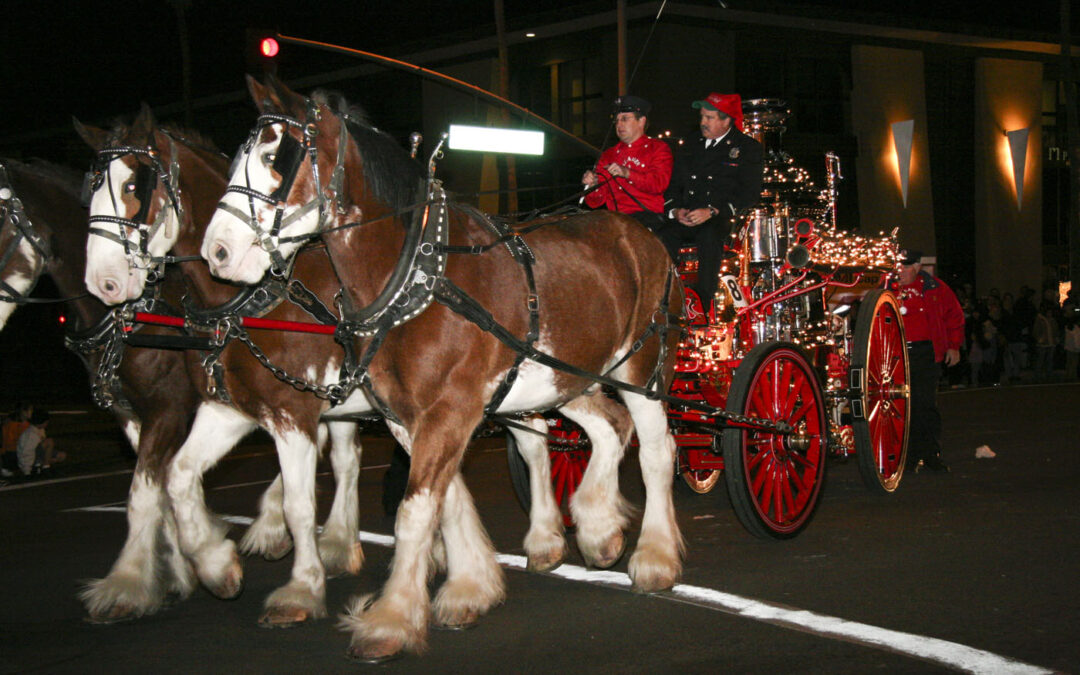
(364, 256)
(57, 214)
(202, 183)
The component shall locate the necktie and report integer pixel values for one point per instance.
(710, 143)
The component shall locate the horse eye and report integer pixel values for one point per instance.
(268, 158)
(129, 187)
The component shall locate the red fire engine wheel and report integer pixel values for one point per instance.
(774, 480)
(569, 450)
(879, 367)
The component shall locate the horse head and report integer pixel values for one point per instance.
(24, 248)
(308, 164)
(274, 187)
(137, 206)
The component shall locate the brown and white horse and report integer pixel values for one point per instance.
(118, 273)
(602, 284)
(43, 216)
(43, 230)
(186, 177)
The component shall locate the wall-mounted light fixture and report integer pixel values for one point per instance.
(902, 133)
(1018, 142)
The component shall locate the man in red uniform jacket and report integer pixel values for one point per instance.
(934, 328)
(632, 175)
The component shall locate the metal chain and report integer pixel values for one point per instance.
(335, 393)
(106, 383)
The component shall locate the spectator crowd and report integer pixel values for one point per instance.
(1010, 338)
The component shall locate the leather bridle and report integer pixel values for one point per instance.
(287, 161)
(13, 214)
(147, 177)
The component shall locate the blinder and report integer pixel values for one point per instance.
(287, 161)
(145, 184)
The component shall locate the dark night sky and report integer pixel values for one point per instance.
(99, 59)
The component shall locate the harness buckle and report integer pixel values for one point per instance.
(533, 302)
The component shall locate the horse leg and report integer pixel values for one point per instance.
(134, 586)
(397, 620)
(545, 544)
(438, 549)
(474, 581)
(217, 428)
(339, 544)
(268, 535)
(304, 597)
(657, 561)
(599, 509)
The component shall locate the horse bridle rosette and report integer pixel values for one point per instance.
(147, 176)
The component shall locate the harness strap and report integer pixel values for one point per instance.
(454, 298)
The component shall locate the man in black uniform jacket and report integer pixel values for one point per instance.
(712, 179)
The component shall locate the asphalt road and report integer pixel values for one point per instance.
(974, 571)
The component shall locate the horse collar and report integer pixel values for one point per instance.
(412, 283)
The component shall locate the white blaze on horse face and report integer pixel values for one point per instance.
(21, 283)
(110, 274)
(231, 245)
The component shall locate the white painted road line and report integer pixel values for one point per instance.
(950, 654)
(91, 476)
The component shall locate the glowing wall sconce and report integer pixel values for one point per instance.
(902, 133)
(1018, 141)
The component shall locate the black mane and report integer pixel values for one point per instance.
(394, 177)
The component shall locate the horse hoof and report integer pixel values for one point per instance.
(375, 653)
(283, 617)
(546, 562)
(466, 623)
(610, 552)
(229, 589)
(347, 565)
(116, 614)
(279, 551)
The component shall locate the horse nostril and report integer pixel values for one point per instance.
(221, 253)
(110, 286)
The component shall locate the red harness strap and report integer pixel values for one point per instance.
(246, 322)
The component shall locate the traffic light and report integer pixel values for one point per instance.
(261, 49)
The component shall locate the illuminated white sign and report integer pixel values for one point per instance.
(490, 139)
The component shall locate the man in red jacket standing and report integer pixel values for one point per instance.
(631, 176)
(934, 327)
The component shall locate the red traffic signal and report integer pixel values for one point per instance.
(269, 47)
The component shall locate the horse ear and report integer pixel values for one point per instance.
(96, 138)
(144, 121)
(257, 91)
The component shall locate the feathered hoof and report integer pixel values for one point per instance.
(375, 652)
(114, 614)
(465, 620)
(545, 561)
(608, 553)
(278, 551)
(341, 560)
(650, 573)
(231, 584)
(284, 617)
